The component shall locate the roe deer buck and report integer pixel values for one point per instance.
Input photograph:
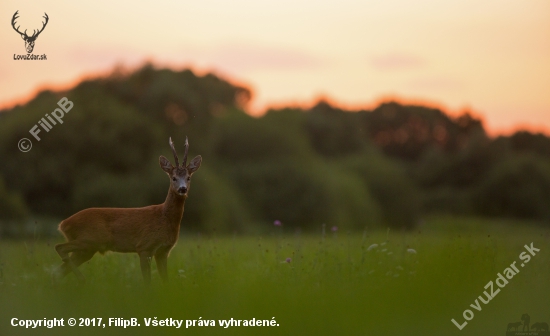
(148, 231)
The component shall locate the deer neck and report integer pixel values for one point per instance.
(173, 207)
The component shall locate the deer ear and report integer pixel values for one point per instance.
(194, 164)
(165, 165)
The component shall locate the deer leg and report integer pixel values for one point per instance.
(72, 262)
(63, 250)
(76, 259)
(161, 259)
(145, 262)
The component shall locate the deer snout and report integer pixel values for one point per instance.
(182, 190)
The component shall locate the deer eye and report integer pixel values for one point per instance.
(174, 179)
(189, 178)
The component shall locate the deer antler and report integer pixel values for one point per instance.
(185, 155)
(15, 17)
(43, 25)
(174, 151)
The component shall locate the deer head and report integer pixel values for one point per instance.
(180, 176)
(29, 40)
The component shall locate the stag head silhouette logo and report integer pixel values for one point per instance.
(29, 40)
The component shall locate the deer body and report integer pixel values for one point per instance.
(151, 231)
(119, 230)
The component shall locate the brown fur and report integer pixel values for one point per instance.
(148, 231)
(122, 230)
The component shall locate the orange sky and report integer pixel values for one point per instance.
(488, 56)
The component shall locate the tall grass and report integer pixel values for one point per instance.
(336, 283)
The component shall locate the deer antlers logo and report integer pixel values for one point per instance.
(29, 40)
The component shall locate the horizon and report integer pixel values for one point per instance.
(489, 58)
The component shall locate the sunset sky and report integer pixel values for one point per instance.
(491, 57)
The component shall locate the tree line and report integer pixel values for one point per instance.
(385, 167)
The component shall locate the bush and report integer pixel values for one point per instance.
(215, 205)
(516, 187)
(12, 206)
(271, 162)
(389, 185)
(306, 195)
(333, 132)
(241, 138)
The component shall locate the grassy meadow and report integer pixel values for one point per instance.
(333, 284)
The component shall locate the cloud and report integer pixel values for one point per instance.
(397, 61)
(251, 57)
(437, 83)
(232, 59)
(103, 56)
